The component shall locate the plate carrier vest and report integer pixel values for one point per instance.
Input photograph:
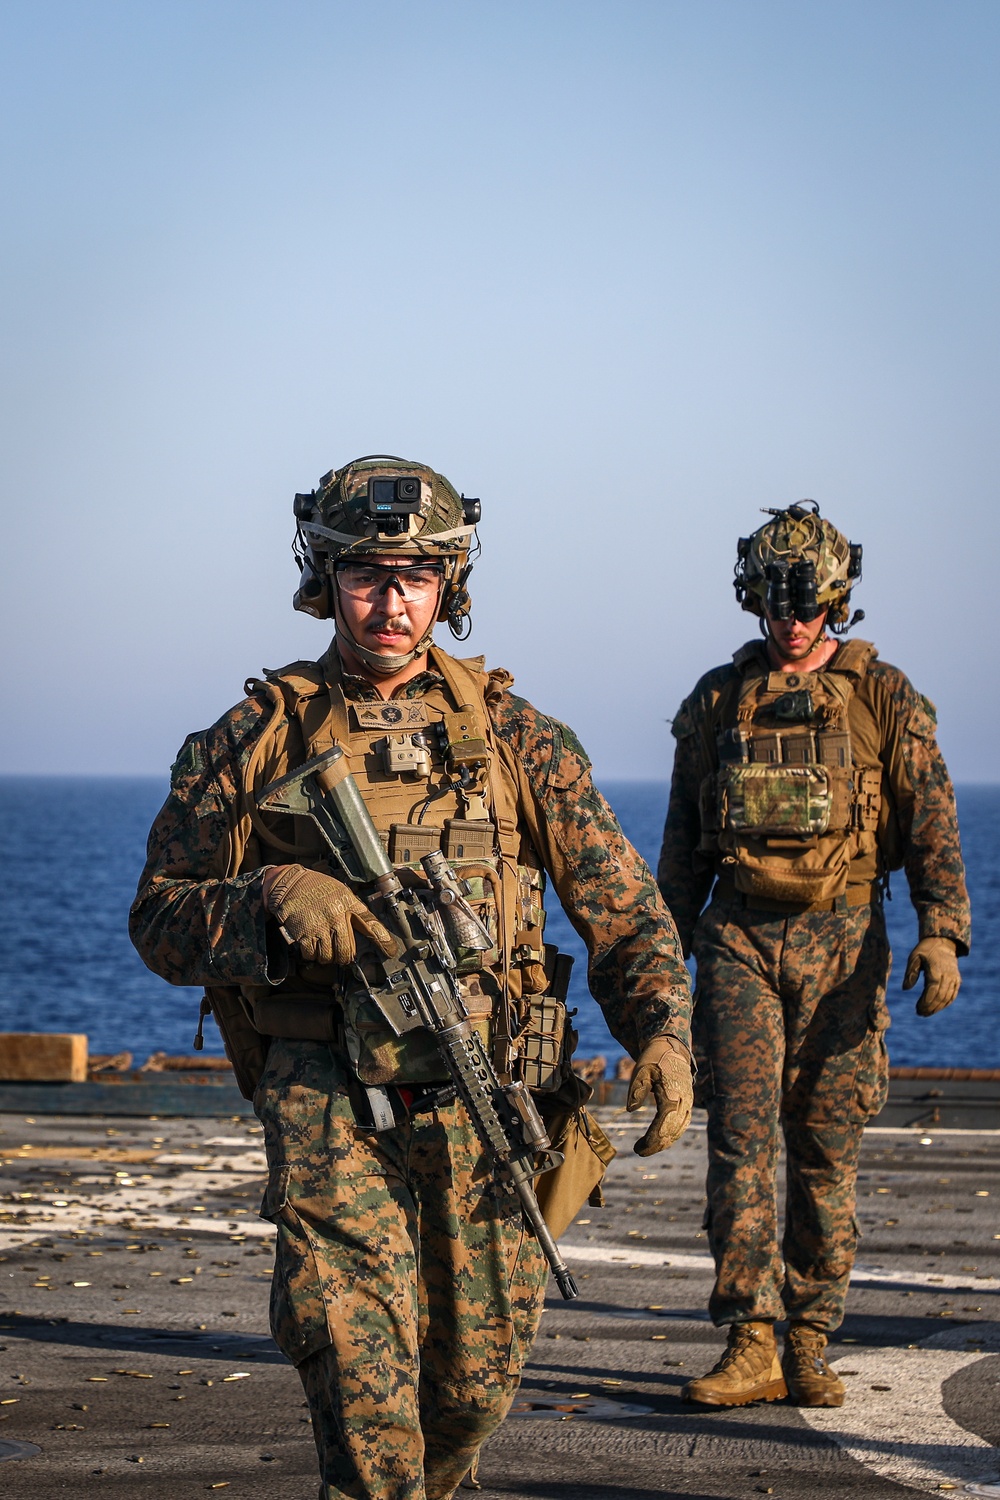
(788, 809)
(433, 776)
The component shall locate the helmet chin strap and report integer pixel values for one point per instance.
(384, 666)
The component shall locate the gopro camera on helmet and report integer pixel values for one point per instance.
(391, 501)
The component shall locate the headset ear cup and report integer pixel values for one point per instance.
(839, 610)
(311, 600)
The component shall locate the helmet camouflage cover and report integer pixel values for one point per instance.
(797, 563)
(382, 504)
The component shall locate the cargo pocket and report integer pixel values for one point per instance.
(299, 1321)
(871, 1081)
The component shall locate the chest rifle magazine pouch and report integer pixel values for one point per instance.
(409, 842)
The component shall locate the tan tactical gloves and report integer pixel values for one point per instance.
(320, 916)
(936, 956)
(664, 1067)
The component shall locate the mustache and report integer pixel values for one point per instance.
(390, 627)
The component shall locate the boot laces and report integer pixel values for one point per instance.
(802, 1335)
(807, 1347)
(745, 1348)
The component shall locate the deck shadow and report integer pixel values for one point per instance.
(105, 1336)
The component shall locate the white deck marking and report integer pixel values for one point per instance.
(877, 1275)
(904, 1433)
(137, 1210)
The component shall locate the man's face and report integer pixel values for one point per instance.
(379, 616)
(794, 639)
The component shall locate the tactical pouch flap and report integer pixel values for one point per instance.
(276, 1193)
(295, 1017)
(775, 801)
(379, 1056)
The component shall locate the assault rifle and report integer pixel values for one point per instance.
(420, 987)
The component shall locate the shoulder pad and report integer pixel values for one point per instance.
(297, 681)
(749, 654)
(853, 657)
(464, 675)
(499, 681)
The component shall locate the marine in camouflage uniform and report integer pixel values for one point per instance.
(407, 1287)
(805, 771)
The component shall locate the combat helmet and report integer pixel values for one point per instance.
(380, 504)
(798, 564)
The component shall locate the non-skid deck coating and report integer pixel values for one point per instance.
(134, 1356)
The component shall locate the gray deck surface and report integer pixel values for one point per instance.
(132, 1302)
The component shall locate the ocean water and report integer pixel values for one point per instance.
(72, 849)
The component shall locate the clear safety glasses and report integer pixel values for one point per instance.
(369, 580)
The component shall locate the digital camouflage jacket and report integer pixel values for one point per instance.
(918, 824)
(195, 923)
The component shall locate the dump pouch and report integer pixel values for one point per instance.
(586, 1152)
(815, 874)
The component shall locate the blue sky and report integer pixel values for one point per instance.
(629, 271)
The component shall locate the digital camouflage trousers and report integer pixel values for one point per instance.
(406, 1289)
(789, 1029)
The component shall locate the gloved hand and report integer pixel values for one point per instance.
(942, 981)
(319, 915)
(665, 1068)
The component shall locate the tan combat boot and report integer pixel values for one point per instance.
(750, 1370)
(810, 1380)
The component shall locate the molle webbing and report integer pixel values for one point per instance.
(315, 714)
(468, 686)
(789, 807)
